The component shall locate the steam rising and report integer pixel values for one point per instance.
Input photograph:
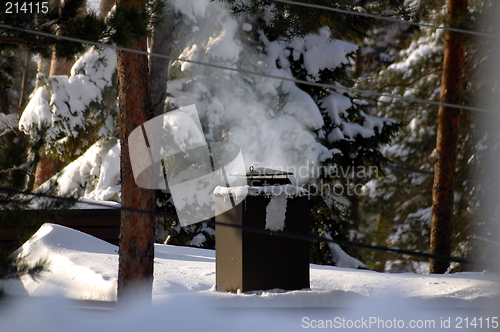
(274, 122)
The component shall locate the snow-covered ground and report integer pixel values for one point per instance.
(184, 299)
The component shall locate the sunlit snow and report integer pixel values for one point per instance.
(84, 267)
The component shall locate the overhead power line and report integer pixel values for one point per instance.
(296, 236)
(297, 81)
(249, 72)
(387, 18)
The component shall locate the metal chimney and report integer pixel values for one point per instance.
(249, 261)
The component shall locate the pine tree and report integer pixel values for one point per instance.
(399, 199)
(78, 110)
(117, 29)
(401, 202)
(338, 122)
(124, 27)
(50, 165)
(161, 43)
(447, 139)
(17, 154)
(137, 231)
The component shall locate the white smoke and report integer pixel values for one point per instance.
(275, 123)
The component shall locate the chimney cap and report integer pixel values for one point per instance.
(262, 172)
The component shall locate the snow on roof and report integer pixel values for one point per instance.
(90, 204)
(275, 190)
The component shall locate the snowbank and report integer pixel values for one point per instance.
(83, 267)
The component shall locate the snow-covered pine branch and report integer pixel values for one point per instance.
(74, 108)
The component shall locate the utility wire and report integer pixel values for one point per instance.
(249, 72)
(335, 87)
(73, 200)
(295, 236)
(387, 18)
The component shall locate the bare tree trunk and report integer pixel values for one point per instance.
(447, 140)
(48, 166)
(4, 100)
(359, 65)
(60, 66)
(24, 84)
(137, 230)
(43, 65)
(161, 44)
(354, 209)
(105, 7)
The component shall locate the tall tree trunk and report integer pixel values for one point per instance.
(105, 6)
(161, 44)
(447, 140)
(4, 101)
(48, 166)
(137, 230)
(60, 66)
(24, 84)
(43, 65)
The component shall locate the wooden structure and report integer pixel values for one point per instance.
(101, 223)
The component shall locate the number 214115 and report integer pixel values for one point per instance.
(27, 7)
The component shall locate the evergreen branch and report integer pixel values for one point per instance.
(18, 168)
(262, 74)
(20, 41)
(15, 267)
(409, 84)
(388, 18)
(162, 97)
(46, 24)
(16, 41)
(297, 236)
